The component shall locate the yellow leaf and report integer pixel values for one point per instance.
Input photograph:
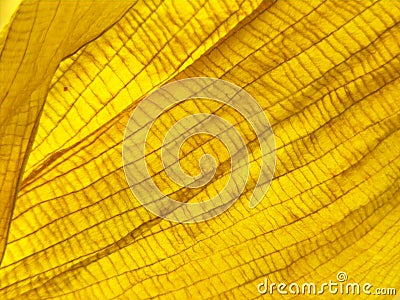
(326, 75)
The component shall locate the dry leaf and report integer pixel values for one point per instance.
(325, 73)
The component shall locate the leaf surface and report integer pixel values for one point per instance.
(325, 73)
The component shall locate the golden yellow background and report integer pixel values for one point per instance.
(326, 74)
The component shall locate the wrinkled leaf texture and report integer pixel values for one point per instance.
(325, 72)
